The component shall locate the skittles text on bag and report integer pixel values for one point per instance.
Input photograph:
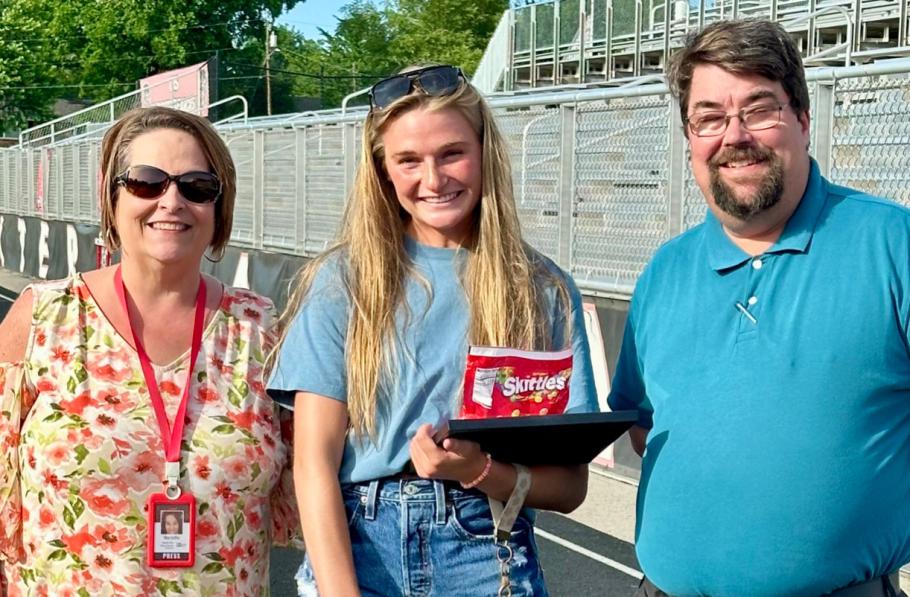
(506, 382)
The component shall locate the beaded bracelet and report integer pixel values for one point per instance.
(482, 475)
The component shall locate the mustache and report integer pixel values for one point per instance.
(745, 153)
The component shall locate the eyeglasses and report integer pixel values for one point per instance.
(432, 80)
(149, 182)
(754, 118)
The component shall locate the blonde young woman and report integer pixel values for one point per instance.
(430, 260)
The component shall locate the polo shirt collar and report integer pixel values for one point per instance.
(797, 234)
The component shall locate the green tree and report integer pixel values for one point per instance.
(241, 71)
(22, 80)
(308, 69)
(359, 52)
(370, 42)
(94, 50)
(449, 31)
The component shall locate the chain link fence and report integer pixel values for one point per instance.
(601, 176)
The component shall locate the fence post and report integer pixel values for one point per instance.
(566, 185)
(350, 160)
(258, 162)
(639, 23)
(557, 79)
(16, 196)
(32, 194)
(50, 209)
(77, 200)
(668, 20)
(533, 44)
(300, 169)
(582, 24)
(508, 83)
(608, 42)
(810, 29)
(94, 173)
(4, 182)
(823, 113)
(57, 168)
(676, 183)
(902, 38)
(857, 26)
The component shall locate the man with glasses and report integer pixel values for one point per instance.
(767, 351)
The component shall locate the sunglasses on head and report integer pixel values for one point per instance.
(432, 80)
(149, 182)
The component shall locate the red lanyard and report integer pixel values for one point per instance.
(170, 437)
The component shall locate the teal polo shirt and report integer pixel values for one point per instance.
(778, 461)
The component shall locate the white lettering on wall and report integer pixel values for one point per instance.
(72, 249)
(21, 245)
(43, 251)
(241, 276)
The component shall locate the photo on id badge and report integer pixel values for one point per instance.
(171, 530)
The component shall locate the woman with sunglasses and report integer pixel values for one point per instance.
(430, 259)
(136, 389)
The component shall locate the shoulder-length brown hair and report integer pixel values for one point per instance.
(115, 159)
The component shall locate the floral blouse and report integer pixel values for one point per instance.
(80, 453)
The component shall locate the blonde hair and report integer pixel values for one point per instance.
(115, 158)
(503, 278)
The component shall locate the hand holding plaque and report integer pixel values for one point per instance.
(505, 392)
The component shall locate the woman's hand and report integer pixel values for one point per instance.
(453, 459)
(559, 488)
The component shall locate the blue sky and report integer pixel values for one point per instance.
(308, 16)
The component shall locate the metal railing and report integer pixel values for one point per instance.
(573, 41)
(96, 119)
(600, 174)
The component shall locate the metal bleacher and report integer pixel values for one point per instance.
(576, 42)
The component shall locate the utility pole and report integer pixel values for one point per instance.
(214, 76)
(271, 45)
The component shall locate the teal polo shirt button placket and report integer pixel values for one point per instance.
(749, 305)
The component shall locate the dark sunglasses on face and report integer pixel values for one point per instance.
(432, 80)
(149, 182)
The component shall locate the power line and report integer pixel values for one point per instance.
(5, 32)
(24, 87)
(131, 58)
(311, 75)
(241, 77)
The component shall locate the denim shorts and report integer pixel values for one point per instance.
(420, 538)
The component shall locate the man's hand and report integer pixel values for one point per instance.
(639, 437)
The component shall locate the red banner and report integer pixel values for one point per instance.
(184, 88)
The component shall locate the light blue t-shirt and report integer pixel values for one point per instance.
(432, 349)
(778, 463)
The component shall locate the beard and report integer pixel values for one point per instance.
(769, 191)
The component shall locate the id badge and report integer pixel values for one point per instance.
(172, 531)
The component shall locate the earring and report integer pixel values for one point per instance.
(215, 258)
